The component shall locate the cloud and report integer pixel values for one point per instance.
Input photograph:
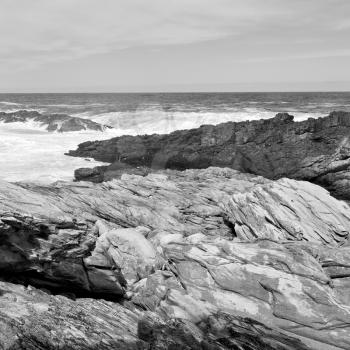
(40, 31)
(47, 31)
(300, 56)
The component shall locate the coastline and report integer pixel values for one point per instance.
(156, 253)
(204, 251)
(316, 150)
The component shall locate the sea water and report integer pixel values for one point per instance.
(29, 153)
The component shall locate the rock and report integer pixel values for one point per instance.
(207, 259)
(104, 173)
(278, 284)
(52, 122)
(219, 331)
(32, 319)
(127, 249)
(317, 150)
(90, 174)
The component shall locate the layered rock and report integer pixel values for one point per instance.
(205, 259)
(317, 150)
(33, 319)
(52, 122)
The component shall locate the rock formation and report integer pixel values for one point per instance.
(317, 150)
(35, 320)
(52, 122)
(199, 259)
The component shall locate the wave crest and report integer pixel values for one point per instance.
(163, 122)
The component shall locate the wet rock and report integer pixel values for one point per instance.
(317, 150)
(106, 173)
(52, 122)
(89, 174)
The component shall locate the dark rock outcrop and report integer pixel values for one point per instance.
(105, 173)
(200, 259)
(317, 150)
(52, 122)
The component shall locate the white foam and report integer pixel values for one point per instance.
(163, 122)
(9, 103)
(23, 127)
(29, 153)
(14, 109)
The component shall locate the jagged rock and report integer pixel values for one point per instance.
(116, 170)
(277, 284)
(317, 150)
(52, 122)
(89, 174)
(218, 331)
(124, 248)
(31, 319)
(206, 259)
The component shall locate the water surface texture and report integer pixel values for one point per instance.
(29, 153)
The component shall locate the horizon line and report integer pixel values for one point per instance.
(176, 92)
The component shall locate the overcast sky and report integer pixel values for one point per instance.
(174, 45)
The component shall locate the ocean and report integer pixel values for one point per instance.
(30, 153)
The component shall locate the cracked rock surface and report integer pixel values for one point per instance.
(200, 259)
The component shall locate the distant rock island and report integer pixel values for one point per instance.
(52, 122)
(199, 259)
(316, 150)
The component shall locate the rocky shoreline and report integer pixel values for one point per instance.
(52, 122)
(210, 259)
(316, 150)
(205, 259)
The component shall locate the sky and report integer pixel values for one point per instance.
(174, 45)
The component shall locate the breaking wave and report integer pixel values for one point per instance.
(29, 153)
(163, 122)
(9, 103)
